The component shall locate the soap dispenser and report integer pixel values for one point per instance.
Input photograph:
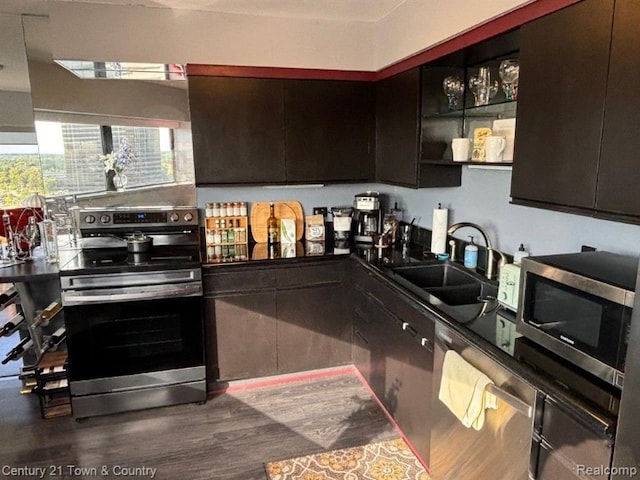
(520, 254)
(471, 254)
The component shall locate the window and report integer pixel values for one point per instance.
(65, 158)
(20, 173)
(70, 156)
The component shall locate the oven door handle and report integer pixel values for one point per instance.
(150, 292)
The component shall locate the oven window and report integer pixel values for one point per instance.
(130, 338)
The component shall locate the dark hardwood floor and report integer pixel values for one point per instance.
(229, 437)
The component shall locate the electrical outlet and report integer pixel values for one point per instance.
(320, 211)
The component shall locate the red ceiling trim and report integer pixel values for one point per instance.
(276, 72)
(504, 23)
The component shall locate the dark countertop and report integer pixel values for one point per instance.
(487, 333)
(482, 332)
(263, 254)
(37, 269)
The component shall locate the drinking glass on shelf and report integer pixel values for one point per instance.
(453, 88)
(482, 87)
(509, 72)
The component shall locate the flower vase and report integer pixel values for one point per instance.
(121, 182)
(110, 185)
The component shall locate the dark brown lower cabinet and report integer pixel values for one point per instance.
(245, 325)
(312, 330)
(393, 349)
(275, 319)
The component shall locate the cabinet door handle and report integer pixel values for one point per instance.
(426, 344)
(445, 338)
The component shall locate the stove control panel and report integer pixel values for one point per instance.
(122, 218)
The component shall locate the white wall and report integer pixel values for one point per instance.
(420, 24)
(55, 89)
(483, 198)
(136, 33)
(16, 113)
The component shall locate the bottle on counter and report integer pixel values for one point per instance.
(272, 226)
(208, 211)
(49, 239)
(217, 236)
(471, 254)
(243, 209)
(223, 231)
(231, 233)
(520, 254)
(215, 210)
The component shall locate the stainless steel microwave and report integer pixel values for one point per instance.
(578, 306)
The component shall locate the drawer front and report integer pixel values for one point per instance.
(310, 275)
(571, 440)
(231, 281)
(551, 467)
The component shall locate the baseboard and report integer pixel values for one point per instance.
(238, 385)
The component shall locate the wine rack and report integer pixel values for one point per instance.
(52, 385)
(27, 326)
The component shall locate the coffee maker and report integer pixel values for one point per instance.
(367, 218)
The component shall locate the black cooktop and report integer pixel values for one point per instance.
(108, 260)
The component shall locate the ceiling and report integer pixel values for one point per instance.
(14, 75)
(337, 10)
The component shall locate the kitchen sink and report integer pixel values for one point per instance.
(449, 283)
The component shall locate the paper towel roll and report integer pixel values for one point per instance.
(439, 230)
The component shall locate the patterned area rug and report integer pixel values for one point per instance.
(390, 460)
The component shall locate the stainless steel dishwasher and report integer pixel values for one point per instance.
(502, 448)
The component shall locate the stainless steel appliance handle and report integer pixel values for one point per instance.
(508, 398)
(150, 292)
(126, 279)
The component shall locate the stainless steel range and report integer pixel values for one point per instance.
(135, 334)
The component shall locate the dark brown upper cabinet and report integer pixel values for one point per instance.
(563, 79)
(576, 144)
(399, 136)
(618, 195)
(330, 130)
(238, 130)
(278, 131)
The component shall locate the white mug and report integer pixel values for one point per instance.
(461, 148)
(494, 148)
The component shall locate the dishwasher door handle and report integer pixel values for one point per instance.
(511, 400)
(508, 398)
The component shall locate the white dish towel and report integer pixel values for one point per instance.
(462, 390)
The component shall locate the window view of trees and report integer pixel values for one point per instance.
(69, 160)
(20, 176)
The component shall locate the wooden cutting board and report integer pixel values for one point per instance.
(287, 209)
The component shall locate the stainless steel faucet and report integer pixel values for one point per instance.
(489, 273)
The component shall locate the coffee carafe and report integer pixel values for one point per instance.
(342, 221)
(367, 216)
